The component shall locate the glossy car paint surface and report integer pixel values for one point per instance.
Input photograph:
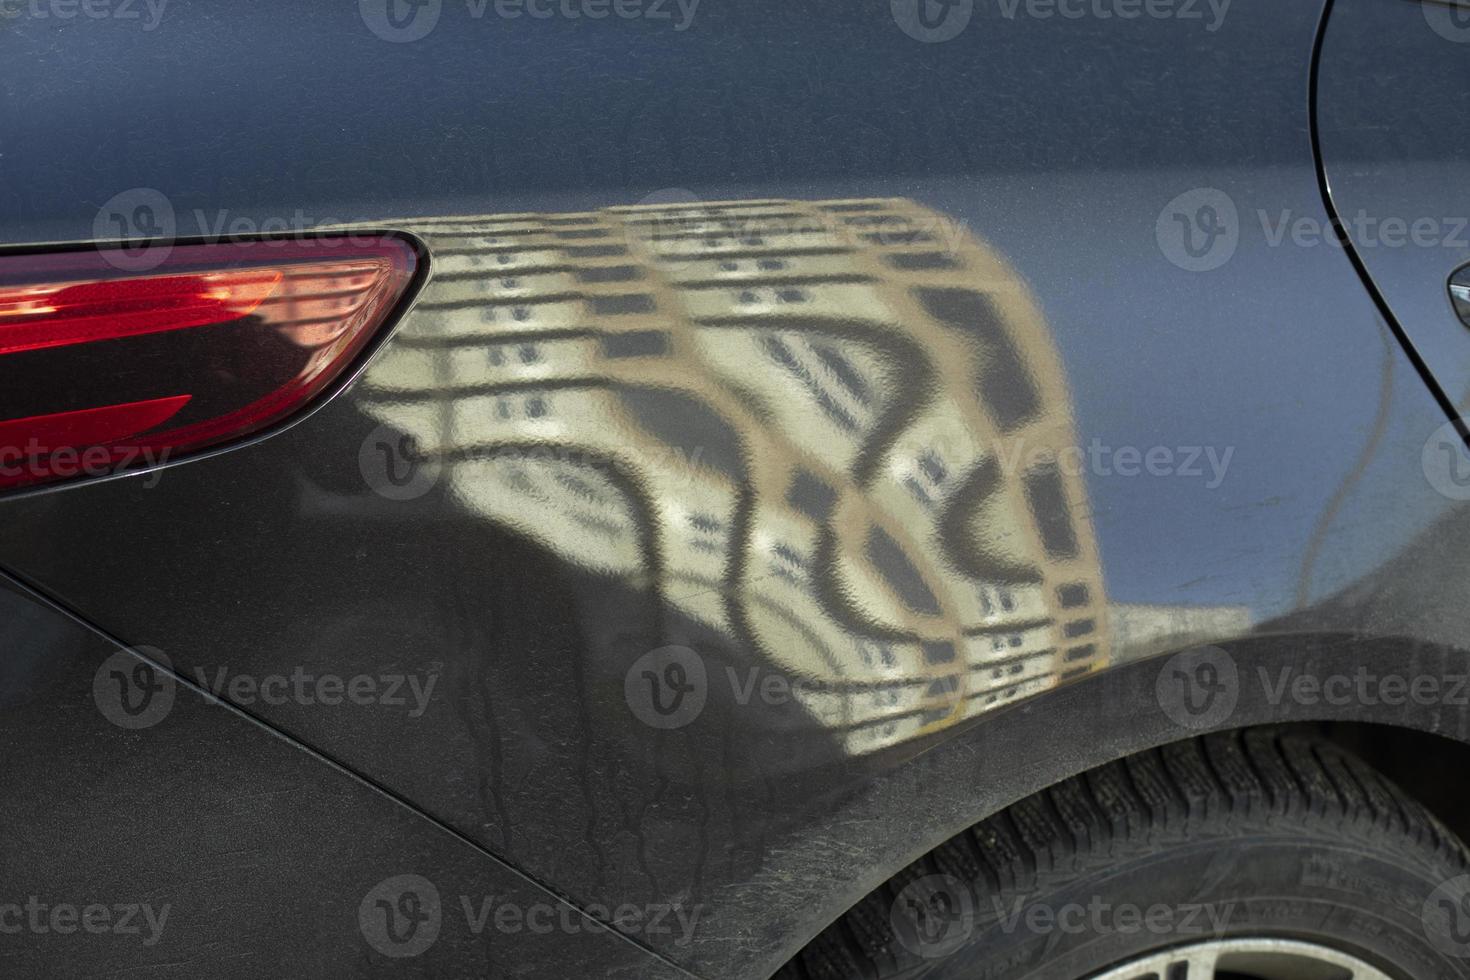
(1397, 167)
(674, 570)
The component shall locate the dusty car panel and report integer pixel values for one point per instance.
(729, 585)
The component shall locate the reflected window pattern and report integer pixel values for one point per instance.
(829, 430)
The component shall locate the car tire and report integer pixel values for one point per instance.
(1261, 853)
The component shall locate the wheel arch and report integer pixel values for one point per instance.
(906, 811)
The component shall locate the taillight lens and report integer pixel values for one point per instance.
(102, 369)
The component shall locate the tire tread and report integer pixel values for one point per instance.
(1220, 784)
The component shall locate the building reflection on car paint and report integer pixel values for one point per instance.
(830, 432)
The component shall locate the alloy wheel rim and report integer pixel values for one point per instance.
(1266, 959)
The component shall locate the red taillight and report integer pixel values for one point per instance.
(102, 370)
(57, 314)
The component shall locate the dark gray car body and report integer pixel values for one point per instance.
(1300, 510)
